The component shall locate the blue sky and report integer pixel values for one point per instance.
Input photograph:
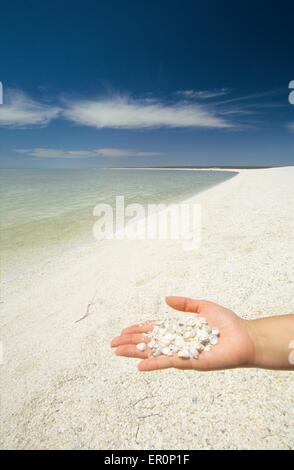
(116, 82)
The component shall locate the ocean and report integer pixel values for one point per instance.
(44, 212)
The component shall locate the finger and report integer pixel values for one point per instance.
(155, 363)
(184, 304)
(130, 350)
(134, 338)
(166, 362)
(140, 328)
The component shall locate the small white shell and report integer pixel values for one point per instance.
(189, 334)
(213, 340)
(166, 351)
(184, 354)
(203, 335)
(141, 346)
(194, 353)
(207, 348)
(168, 338)
(165, 341)
(179, 341)
(215, 331)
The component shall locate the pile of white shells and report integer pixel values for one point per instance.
(186, 337)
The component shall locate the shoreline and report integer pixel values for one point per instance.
(84, 240)
(201, 168)
(64, 388)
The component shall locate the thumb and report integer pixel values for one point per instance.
(184, 304)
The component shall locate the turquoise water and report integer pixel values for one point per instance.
(44, 210)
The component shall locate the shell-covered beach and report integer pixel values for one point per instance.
(62, 386)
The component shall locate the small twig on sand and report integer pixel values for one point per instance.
(90, 304)
(88, 311)
(142, 399)
(149, 416)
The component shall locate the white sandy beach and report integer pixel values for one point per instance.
(62, 386)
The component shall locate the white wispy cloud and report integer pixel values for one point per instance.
(187, 109)
(203, 94)
(291, 126)
(252, 96)
(127, 113)
(19, 110)
(101, 152)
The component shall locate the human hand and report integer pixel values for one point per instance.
(235, 347)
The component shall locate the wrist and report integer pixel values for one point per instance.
(254, 330)
(270, 339)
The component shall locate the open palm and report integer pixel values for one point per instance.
(235, 347)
